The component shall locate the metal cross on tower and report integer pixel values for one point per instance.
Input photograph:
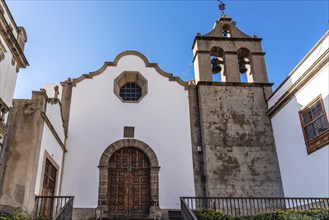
(221, 6)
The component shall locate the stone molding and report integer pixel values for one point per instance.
(12, 42)
(212, 38)
(243, 84)
(115, 63)
(2, 51)
(104, 165)
(225, 52)
(134, 76)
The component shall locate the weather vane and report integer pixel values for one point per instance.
(221, 6)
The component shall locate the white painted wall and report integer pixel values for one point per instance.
(50, 145)
(97, 119)
(8, 76)
(302, 175)
(8, 73)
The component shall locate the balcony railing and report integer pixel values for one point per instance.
(248, 206)
(53, 207)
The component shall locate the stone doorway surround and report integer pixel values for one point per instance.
(154, 172)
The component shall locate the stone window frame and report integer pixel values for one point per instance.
(130, 77)
(322, 138)
(104, 165)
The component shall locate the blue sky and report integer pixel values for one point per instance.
(70, 38)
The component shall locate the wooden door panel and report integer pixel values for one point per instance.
(48, 188)
(129, 182)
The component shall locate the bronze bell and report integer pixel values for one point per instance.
(243, 68)
(216, 66)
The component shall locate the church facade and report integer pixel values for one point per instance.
(129, 139)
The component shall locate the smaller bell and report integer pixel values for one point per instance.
(216, 69)
(243, 68)
(216, 66)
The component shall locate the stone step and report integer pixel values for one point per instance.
(174, 214)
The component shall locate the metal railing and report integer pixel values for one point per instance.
(242, 206)
(66, 212)
(54, 207)
(186, 212)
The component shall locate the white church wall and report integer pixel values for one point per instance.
(8, 75)
(50, 148)
(55, 117)
(98, 117)
(302, 175)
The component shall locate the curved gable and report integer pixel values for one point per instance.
(170, 76)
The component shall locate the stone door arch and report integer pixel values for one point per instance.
(104, 168)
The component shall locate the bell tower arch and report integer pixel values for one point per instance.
(236, 48)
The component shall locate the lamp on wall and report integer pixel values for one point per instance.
(199, 149)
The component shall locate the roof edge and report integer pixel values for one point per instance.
(91, 75)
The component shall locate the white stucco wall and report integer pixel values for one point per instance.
(97, 119)
(303, 175)
(8, 76)
(50, 146)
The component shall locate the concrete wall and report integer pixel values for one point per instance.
(98, 117)
(237, 140)
(22, 154)
(303, 175)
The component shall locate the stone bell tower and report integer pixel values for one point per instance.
(229, 52)
(233, 146)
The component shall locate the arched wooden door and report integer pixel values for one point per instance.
(129, 183)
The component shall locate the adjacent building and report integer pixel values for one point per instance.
(299, 113)
(12, 58)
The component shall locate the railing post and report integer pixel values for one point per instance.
(154, 210)
(101, 212)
